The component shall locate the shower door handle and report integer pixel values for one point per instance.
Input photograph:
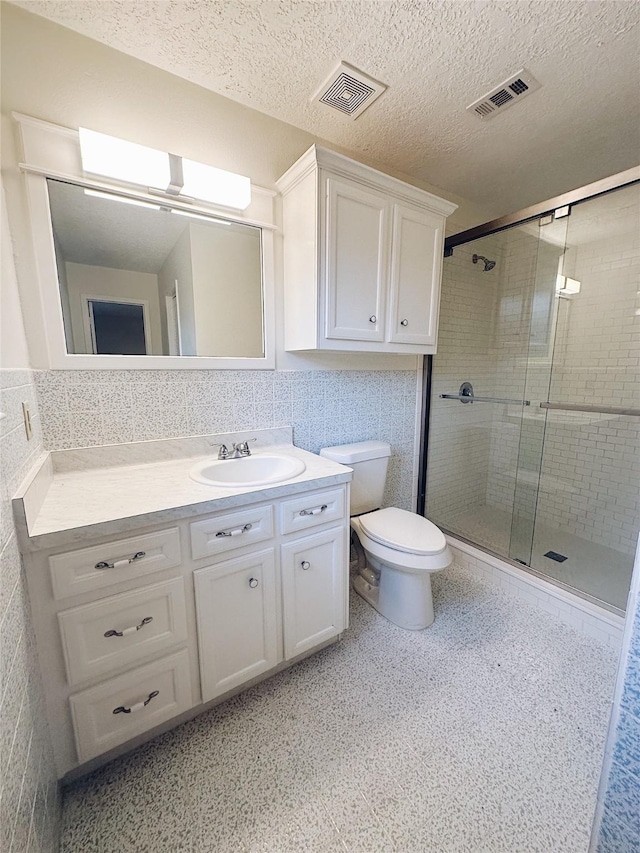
(467, 398)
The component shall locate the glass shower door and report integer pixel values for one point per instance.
(474, 447)
(542, 467)
(587, 510)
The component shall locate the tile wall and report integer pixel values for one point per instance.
(29, 804)
(85, 408)
(617, 824)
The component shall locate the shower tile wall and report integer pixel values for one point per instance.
(29, 800)
(85, 408)
(460, 435)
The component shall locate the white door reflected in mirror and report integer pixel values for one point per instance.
(135, 279)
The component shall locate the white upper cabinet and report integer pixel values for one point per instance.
(362, 258)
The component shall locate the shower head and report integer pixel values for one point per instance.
(488, 265)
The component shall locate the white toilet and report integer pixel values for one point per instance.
(402, 549)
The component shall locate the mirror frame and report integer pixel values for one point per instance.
(51, 151)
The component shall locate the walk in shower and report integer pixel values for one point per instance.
(534, 395)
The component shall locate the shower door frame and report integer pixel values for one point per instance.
(555, 207)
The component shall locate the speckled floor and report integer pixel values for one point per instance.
(483, 733)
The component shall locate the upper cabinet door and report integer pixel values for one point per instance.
(416, 260)
(356, 262)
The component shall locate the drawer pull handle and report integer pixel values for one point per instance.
(315, 511)
(235, 531)
(118, 564)
(131, 630)
(305, 565)
(138, 706)
(253, 582)
(373, 319)
(404, 322)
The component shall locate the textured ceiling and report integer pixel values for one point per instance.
(435, 57)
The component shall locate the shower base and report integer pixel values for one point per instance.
(595, 570)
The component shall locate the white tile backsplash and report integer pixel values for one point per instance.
(30, 802)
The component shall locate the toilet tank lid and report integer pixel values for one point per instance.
(359, 451)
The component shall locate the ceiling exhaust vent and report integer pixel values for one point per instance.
(348, 91)
(515, 88)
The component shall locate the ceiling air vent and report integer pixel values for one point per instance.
(514, 89)
(349, 91)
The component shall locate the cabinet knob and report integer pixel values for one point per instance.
(253, 582)
(404, 322)
(373, 318)
(305, 565)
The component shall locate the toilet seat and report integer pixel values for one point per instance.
(403, 561)
(403, 531)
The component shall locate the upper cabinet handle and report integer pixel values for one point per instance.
(373, 318)
(118, 564)
(404, 322)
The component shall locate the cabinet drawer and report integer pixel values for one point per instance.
(143, 698)
(310, 510)
(116, 632)
(76, 572)
(232, 530)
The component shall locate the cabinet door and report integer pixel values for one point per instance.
(237, 621)
(314, 571)
(356, 262)
(416, 263)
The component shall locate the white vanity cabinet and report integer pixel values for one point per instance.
(362, 258)
(136, 633)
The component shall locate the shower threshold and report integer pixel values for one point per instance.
(593, 572)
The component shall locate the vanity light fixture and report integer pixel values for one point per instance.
(126, 161)
(161, 172)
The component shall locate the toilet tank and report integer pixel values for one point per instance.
(369, 460)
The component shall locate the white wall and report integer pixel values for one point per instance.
(85, 280)
(13, 343)
(226, 290)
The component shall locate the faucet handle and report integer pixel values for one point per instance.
(243, 447)
(223, 453)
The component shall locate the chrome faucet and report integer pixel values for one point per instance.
(237, 450)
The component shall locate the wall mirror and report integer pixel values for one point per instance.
(142, 279)
(131, 278)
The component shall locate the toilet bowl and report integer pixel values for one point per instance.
(398, 550)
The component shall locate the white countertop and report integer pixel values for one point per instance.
(73, 505)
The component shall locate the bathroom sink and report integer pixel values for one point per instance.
(258, 470)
